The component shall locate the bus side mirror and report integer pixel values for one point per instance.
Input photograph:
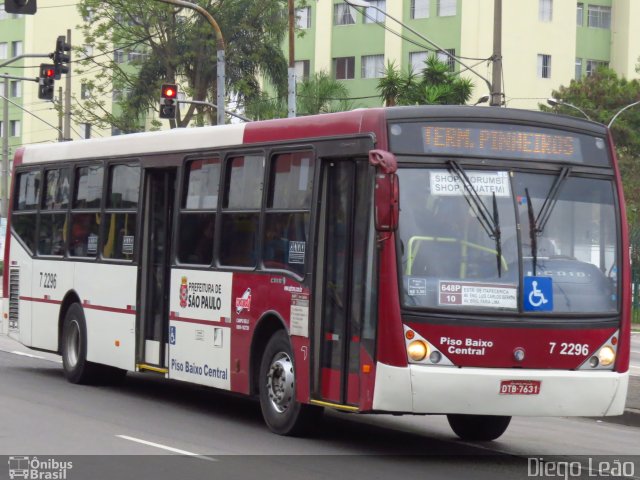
(386, 202)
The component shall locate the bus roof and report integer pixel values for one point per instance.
(316, 126)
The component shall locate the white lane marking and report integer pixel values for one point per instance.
(166, 447)
(30, 355)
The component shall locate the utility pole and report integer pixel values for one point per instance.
(60, 116)
(292, 63)
(496, 79)
(67, 96)
(5, 149)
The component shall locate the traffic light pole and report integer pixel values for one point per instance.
(5, 150)
(67, 97)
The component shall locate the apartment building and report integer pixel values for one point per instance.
(545, 43)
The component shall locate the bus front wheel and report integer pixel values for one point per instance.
(478, 428)
(282, 413)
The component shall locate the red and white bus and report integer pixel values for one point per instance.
(464, 261)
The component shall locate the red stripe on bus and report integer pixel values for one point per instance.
(176, 318)
(40, 300)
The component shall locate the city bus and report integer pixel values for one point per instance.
(471, 262)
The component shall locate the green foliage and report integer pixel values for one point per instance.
(321, 93)
(178, 45)
(434, 85)
(601, 96)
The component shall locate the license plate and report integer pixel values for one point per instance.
(520, 387)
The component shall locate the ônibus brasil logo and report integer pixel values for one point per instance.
(183, 293)
(34, 468)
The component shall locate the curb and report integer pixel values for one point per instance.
(630, 417)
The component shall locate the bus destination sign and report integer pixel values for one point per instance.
(531, 143)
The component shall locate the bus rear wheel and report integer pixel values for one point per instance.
(77, 368)
(282, 413)
(478, 428)
(74, 347)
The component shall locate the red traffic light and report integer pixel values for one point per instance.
(49, 72)
(169, 90)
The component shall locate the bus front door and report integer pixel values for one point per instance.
(341, 282)
(159, 194)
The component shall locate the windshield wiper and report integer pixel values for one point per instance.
(537, 224)
(489, 221)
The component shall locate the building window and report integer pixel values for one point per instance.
(85, 130)
(447, 8)
(578, 74)
(302, 69)
(344, 67)
(444, 58)
(416, 60)
(599, 17)
(14, 128)
(303, 18)
(545, 10)
(16, 48)
(3, 50)
(118, 56)
(343, 14)
(593, 65)
(580, 15)
(138, 57)
(372, 66)
(85, 91)
(16, 88)
(544, 66)
(375, 15)
(419, 8)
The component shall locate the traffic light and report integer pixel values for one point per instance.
(25, 7)
(168, 96)
(46, 81)
(60, 57)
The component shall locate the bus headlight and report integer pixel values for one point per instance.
(606, 356)
(417, 350)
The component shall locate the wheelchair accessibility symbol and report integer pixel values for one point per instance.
(538, 294)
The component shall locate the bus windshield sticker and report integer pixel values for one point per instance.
(299, 315)
(127, 244)
(538, 294)
(469, 294)
(417, 287)
(484, 183)
(296, 252)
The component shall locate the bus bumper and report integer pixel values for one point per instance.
(476, 391)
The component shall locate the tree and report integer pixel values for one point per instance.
(320, 93)
(601, 95)
(434, 85)
(168, 45)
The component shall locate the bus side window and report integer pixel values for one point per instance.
(287, 214)
(198, 211)
(120, 213)
(241, 214)
(23, 221)
(53, 213)
(85, 216)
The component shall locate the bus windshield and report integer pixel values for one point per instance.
(470, 239)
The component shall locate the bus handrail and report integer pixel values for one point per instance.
(411, 255)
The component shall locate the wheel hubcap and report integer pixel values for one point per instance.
(281, 382)
(73, 344)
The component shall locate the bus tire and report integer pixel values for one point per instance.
(280, 410)
(478, 428)
(74, 348)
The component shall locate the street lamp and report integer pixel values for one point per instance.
(622, 110)
(364, 4)
(556, 102)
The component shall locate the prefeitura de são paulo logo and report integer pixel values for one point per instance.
(184, 290)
